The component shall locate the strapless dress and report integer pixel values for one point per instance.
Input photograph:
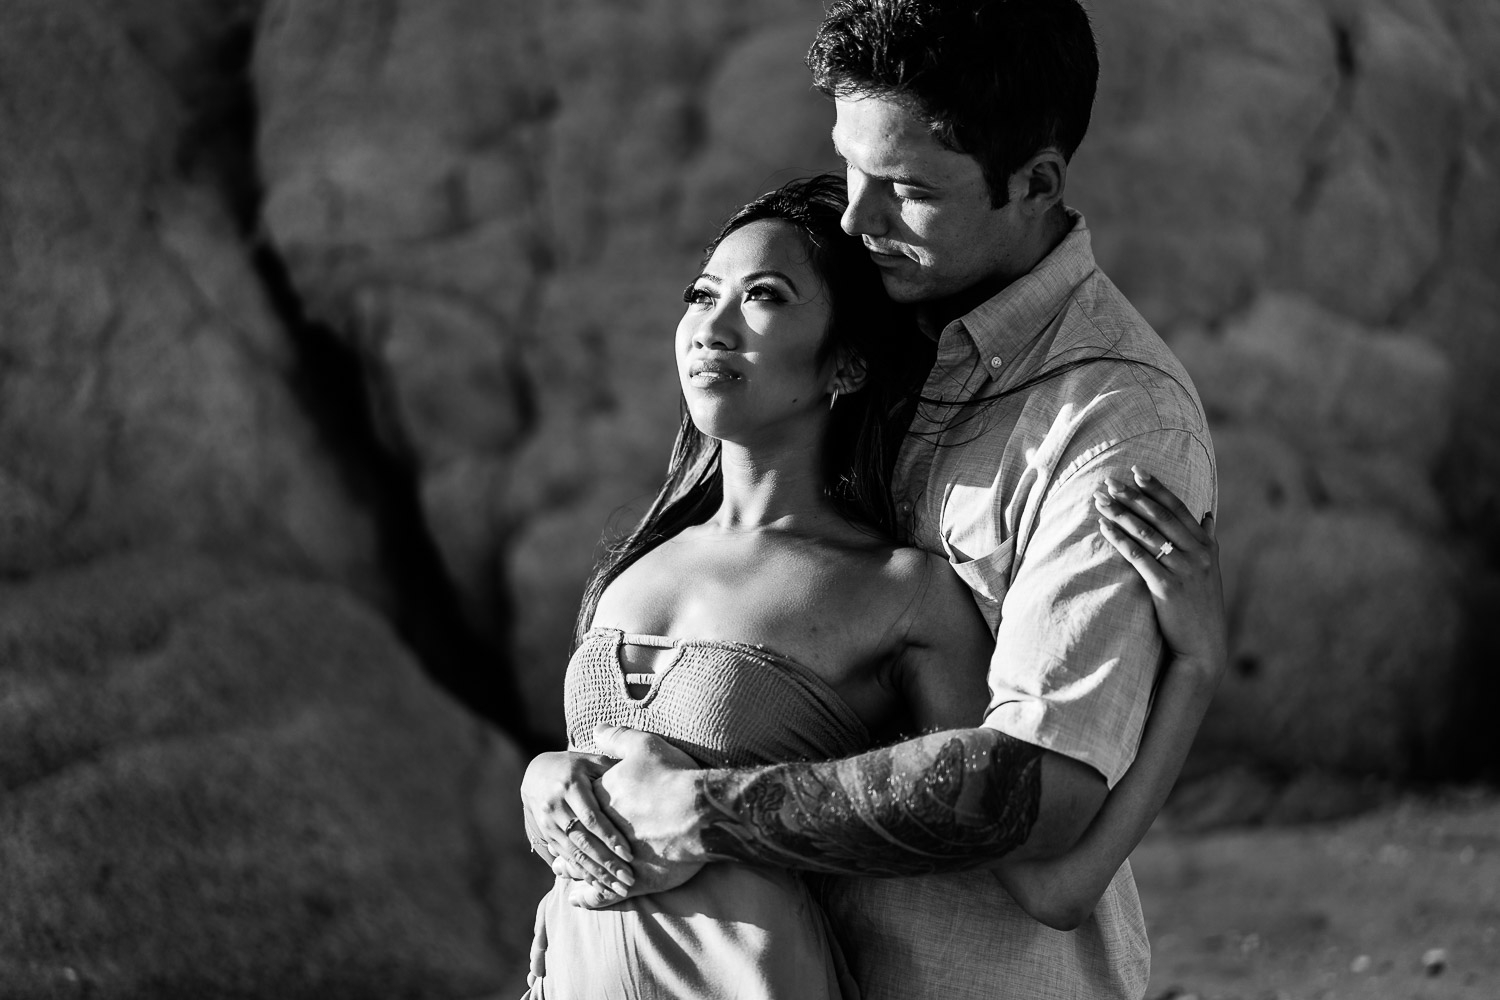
(732, 932)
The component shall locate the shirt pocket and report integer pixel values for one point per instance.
(987, 576)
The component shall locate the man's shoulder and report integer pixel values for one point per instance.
(1115, 359)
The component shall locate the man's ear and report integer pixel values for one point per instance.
(1040, 182)
(849, 373)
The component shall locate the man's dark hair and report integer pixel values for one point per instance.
(999, 80)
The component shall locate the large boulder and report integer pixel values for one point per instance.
(1329, 436)
(222, 783)
(145, 392)
(1344, 152)
(1346, 627)
(223, 773)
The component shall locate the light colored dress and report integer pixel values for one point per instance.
(732, 932)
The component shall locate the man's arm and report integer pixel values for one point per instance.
(941, 802)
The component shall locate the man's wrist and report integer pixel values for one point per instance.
(671, 828)
(685, 793)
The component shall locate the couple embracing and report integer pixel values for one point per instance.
(859, 709)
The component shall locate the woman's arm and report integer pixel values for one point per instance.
(1138, 519)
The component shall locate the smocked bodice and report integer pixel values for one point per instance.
(726, 704)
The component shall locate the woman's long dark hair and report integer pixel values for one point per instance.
(866, 426)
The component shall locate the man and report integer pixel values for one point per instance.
(957, 120)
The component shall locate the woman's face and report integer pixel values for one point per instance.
(748, 344)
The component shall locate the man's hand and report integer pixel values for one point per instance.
(650, 795)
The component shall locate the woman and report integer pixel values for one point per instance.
(761, 612)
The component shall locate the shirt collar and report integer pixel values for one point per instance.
(1003, 323)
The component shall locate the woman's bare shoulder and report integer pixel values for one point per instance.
(908, 580)
(939, 601)
(909, 566)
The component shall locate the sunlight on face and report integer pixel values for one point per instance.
(922, 210)
(748, 344)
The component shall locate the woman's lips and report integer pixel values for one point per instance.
(711, 374)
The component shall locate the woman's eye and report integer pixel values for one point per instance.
(697, 295)
(763, 293)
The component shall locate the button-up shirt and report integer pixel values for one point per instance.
(1035, 397)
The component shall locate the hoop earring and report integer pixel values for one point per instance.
(834, 398)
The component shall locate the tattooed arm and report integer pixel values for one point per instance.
(942, 802)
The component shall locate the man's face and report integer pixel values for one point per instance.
(922, 209)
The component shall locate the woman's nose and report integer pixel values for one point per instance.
(715, 331)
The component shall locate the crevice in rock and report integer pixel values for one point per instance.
(1475, 689)
(329, 383)
(331, 386)
(1343, 48)
(1431, 278)
(1316, 156)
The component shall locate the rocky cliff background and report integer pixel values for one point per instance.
(332, 332)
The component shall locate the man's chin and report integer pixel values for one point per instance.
(901, 289)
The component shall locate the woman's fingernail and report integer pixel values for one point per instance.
(1102, 499)
(625, 876)
(619, 890)
(624, 851)
(1141, 477)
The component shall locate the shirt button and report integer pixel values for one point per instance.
(904, 506)
(996, 362)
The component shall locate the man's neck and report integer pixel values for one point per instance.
(933, 316)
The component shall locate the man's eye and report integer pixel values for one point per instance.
(907, 194)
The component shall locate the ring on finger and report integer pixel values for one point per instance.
(573, 824)
(1165, 550)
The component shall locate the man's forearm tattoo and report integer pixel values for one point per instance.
(942, 802)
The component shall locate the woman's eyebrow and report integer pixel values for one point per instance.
(771, 273)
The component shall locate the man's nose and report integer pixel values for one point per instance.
(862, 217)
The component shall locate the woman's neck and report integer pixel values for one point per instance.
(778, 489)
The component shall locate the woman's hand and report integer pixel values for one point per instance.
(1179, 559)
(566, 825)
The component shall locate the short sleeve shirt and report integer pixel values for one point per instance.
(1035, 398)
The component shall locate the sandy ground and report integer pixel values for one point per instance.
(1400, 902)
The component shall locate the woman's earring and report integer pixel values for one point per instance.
(834, 398)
